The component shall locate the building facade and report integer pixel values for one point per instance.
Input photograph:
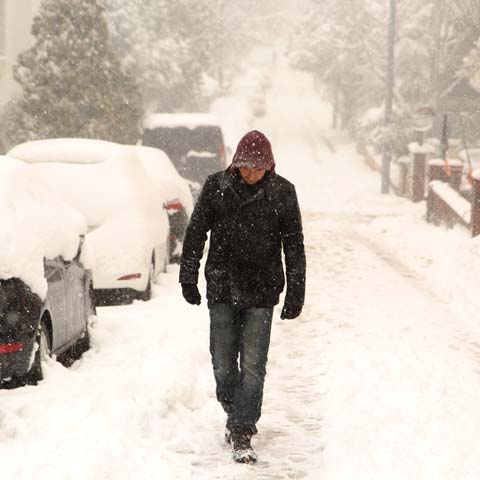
(15, 37)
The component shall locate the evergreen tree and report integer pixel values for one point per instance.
(168, 45)
(339, 42)
(344, 43)
(73, 83)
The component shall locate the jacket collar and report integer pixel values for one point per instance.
(226, 183)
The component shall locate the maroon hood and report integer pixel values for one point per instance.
(254, 151)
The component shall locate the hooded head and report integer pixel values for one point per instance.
(254, 151)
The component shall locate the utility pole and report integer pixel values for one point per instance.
(387, 147)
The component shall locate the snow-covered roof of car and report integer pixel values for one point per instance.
(34, 224)
(66, 150)
(187, 120)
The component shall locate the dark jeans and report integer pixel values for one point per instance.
(238, 332)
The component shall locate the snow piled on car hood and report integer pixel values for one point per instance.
(34, 224)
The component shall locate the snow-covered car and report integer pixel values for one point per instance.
(46, 299)
(193, 142)
(127, 243)
(173, 191)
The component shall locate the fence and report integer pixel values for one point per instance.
(438, 182)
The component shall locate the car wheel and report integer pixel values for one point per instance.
(42, 354)
(147, 293)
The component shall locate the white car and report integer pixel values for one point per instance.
(173, 190)
(127, 243)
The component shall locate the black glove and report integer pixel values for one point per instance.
(291, 310)
(191, 294)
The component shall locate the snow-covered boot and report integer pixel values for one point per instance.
(241, 447)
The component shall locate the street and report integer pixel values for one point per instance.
(378, 378)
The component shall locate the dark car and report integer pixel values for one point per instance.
(193, 142)
(32, 330)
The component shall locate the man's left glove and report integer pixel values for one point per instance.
(191, 294)
(291, 310)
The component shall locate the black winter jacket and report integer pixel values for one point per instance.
(244, 264)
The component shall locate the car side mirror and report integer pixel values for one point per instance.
(80, 245)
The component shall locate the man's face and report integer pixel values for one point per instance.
(251, 176)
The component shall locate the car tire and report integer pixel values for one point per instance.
(147, 293)
(43, 352)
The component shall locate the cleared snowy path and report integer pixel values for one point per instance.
(376, 379)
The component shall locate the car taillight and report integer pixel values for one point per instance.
(174, 206)
(11, 347)
(131, 276)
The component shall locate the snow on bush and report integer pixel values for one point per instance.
(34, 225)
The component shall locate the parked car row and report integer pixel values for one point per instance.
(86, 223)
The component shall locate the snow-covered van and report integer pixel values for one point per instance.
(45, 291)
(193, 141)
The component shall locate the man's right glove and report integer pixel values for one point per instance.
(191, 294)
(290, 311)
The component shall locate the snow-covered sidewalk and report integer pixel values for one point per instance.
(378, 379)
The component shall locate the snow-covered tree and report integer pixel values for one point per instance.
(344, 43)
(73, 84)
(166, 45)
(339, 42)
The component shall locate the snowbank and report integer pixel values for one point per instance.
(34, 224)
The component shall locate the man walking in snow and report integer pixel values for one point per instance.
(251, 213)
